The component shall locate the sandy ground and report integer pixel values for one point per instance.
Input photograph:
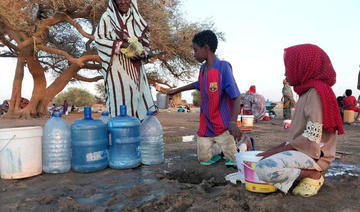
(181, 184)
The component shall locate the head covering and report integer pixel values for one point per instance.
(286, 83)
(119, 21)
(308, 66)
(252, 89)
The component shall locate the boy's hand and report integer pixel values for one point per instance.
(234, 130)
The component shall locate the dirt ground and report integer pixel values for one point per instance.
(181, 184)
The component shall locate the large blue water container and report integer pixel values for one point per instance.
(152, 145)
(125, 139)
(56, 145)
(89, 144)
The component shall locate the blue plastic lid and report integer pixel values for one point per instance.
(105, 113)
(87, 113)
(150, 113)
(56, 114)
(123, 110)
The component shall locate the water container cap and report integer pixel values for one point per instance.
(105, 113)
(123, 110)
(87, 113)
(56, 114)
(150, 113)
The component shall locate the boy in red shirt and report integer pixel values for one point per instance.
(220, 102)
(349, 103)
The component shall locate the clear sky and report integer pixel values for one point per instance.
(257, 31)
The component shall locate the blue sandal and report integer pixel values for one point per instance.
(213, 160)
(229, 162)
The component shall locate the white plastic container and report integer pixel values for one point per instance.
(287, 123)
(247, 120)
(152, 145)
(252, 182)
(20, 152)
(240, 165)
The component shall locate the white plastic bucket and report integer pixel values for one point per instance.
(287, 123)
(20, 152)
(252, 182)
(240, 165)
(247, 120)
(238, 121)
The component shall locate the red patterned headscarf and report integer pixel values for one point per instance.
(308, 66)
(252, 89)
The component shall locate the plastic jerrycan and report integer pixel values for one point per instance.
(89, 144)
(152, 145)
(125, 139)
(56, 145)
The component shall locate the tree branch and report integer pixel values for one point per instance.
(85, 79)
(78, 27)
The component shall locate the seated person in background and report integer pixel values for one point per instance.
(349, 103)
(339, 100)
(181, 109)
(253, 103)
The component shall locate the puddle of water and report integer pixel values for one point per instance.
(341, 169)
(94, 198)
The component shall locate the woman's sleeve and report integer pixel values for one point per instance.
(104, 39)
(145, 41)
(309, 141)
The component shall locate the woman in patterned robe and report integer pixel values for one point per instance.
(125, 78)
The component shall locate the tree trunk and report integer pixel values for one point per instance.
(14, 104)
(38, 74)
(57, 86)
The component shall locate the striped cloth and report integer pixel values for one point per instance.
(125, 79)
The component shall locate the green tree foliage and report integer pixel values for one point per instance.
(75, 96)
(196, 98)
(100, 92)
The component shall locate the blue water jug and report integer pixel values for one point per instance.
(105, 118)
(152, 145)
(56, 145)
(89, 144)
(125, 139)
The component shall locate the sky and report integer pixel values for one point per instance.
(256, 33)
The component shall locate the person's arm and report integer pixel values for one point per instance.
(285, 146)
(309, 141)
(233, 128)
(190, 86)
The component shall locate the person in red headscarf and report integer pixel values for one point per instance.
(252, 89)
(311, 144)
